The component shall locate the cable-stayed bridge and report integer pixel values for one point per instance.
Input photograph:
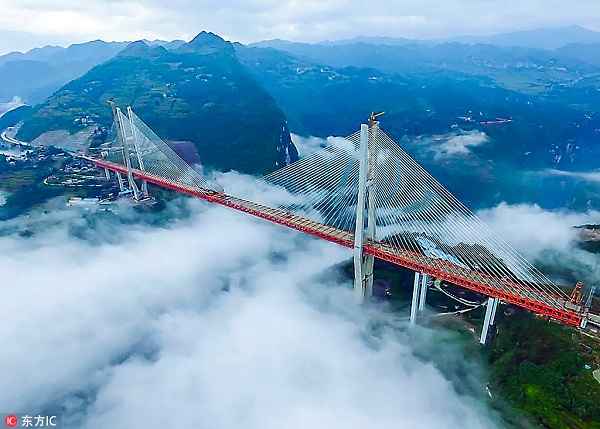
(365, 193)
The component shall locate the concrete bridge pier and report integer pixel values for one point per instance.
(120, 179)
(490, 315)
(419, 296)
(423, 292)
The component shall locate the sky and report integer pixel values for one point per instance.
(25, 24)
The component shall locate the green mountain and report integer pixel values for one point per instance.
(198, 92)
(538, 110)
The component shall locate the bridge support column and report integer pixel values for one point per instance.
(415, 298)
(368, 260)
(136, 146)
(132, 185)
(419, 296)
(363, 264)
(493, 316)
(423, 291)
(120, 179)
(490, 314)
(359, 275)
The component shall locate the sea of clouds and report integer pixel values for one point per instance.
(203, 317)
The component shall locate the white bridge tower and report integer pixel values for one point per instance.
(130, 143)
(367, 159)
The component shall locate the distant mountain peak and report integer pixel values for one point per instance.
(92, 42)
(135, 49)
(205, 37)
(206, 43)
(579, 27)
(53, 48)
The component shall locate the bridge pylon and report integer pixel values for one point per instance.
(367, 159)
(129, 143)
(135, 137)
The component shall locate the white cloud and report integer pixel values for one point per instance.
(589, 176)
(62, 22)
(443, 147)
(457, 145)
(531, 229)
(211, 320)
(13, 104)
(308, 145)
(548, 238)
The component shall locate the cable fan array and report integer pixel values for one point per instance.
(414, 213)
(144, 150)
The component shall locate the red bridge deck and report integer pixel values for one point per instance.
(531, 299)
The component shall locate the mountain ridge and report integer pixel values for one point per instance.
(548, 38)
(196, 92)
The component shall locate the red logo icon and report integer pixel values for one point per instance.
(11, 421)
